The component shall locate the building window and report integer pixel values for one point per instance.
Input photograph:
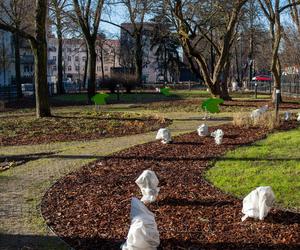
(26, 69)
(54, 68)
(77, 58)
(69, 58)
(98, 68)
(105, 68)
(77, 68)
(84, 59)
(69, 68)
(54, 58)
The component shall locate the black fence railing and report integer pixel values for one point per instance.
(8, 93)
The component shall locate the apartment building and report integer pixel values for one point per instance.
(154, 63)
(75, 58)
(6, 58)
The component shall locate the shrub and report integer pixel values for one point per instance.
(242, 120)
(266, 120)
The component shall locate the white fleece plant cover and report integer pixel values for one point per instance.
(203, 130)
(258, 112)
(164, 135)
(298, 118)
(287, 115)
(258, 203)
(148, 183)
(218, 135)
(143, 233)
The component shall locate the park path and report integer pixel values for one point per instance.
(22, 187)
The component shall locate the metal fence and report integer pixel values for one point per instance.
(8, 93)
(290, 86)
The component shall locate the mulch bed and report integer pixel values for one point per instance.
(90, 209)
(62, 129)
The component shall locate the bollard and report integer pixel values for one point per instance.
(277, 91)
(255, 90)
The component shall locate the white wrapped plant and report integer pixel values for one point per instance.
(164, 135)
(255, 114)
(203, 130)
(218, 135)
(143, 233)
(148, 183)
(258, 203)
(287, 115)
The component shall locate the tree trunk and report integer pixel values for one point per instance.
(91, 71)
(224, 84)
(18, 65)
(215, 89)
(102, 64)
(60, 85)
(40, 78)
(85, 70)
(138, 62)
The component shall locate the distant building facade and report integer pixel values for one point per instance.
(75, 58)
(6, 58)
(152, 70)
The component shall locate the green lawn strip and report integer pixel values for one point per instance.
(273, 162)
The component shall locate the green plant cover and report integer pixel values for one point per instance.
(165, 91)
(100, 98)
(212, 105)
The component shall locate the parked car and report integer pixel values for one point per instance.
(27, 89)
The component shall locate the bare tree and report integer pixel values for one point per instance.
(60, 20)
(137, 11)
(273, 11)
(192, 28)
(37, 38)
(88, 17)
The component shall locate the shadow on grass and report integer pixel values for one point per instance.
(147, 158)
(103, 118)
(200, 118)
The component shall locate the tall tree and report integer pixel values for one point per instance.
(193, 26)
(137, 11)
(273, 11)
(88, 17)
(38, 41)
(59, 20)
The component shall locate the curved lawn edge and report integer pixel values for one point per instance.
(205, 202)
(264, 163)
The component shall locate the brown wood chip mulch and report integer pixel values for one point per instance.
(90, 209)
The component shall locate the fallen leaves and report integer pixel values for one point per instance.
(190, 212)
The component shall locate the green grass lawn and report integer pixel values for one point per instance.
(138, 97)
(273, 162)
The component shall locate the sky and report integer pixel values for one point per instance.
(116, 15)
